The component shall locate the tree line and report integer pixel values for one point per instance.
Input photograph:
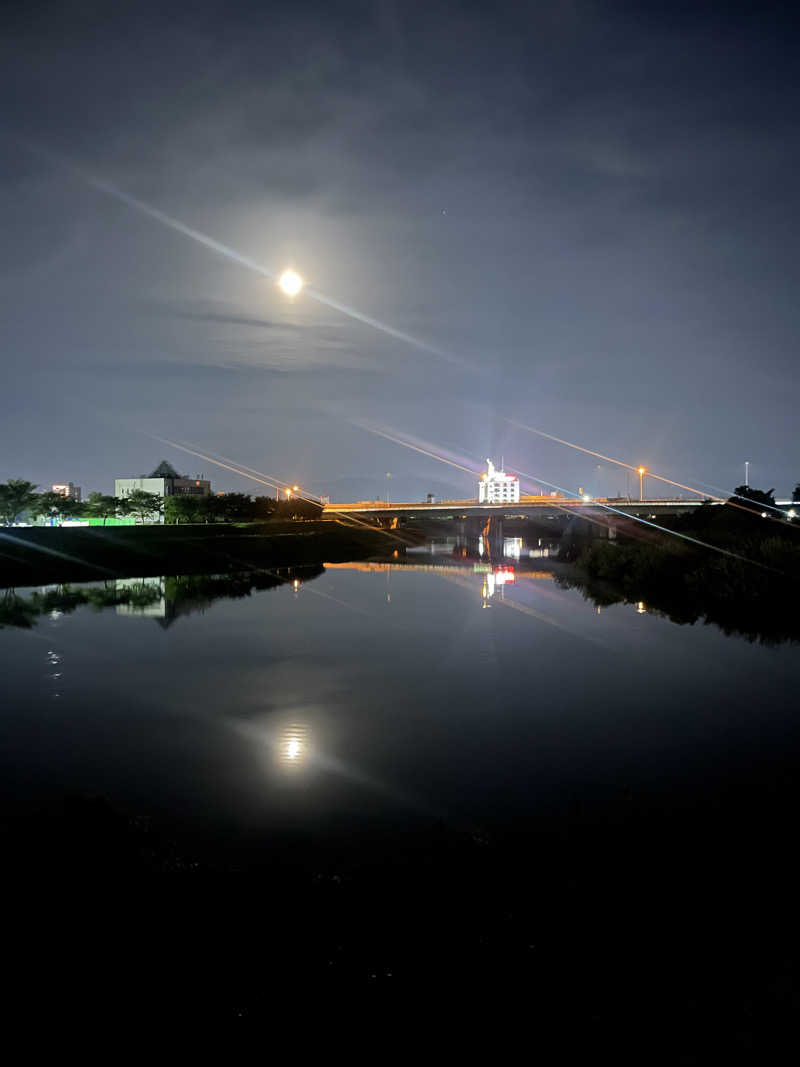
(20, 498)
(236, 507)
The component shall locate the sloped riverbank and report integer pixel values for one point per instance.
(38, 556)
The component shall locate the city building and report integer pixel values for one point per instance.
(497, 487)
(68, 490)
(165, 481)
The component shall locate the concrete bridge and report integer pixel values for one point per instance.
(529, 507)
(532, 516)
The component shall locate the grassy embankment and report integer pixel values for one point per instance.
(38, 556)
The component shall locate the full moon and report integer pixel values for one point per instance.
(291, 282)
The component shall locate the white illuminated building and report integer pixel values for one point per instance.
(67, 490)
(497, 487)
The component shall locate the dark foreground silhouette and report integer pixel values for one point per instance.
(667, 922)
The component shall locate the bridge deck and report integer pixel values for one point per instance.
(526, 506)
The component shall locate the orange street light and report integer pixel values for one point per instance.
(642, 472)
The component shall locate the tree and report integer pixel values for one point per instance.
(206, 509)
(16, 496)
(264, 507)
(53, 505)
(72, 509)
(178, 509)
(100, 506)
(298, 508)
(144, 506)
(190, 508)
(758, 496)
(234, 507)
(796, 494)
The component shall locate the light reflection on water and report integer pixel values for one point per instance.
(293, 748)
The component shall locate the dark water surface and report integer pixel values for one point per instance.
(474, 720)
(380, 691)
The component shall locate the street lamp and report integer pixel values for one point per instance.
(388, 476)
(641, 483)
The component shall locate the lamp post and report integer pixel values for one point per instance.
(388, 476)
(641, 484)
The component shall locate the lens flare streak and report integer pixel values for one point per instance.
(425, 451)
(245, 261)
(256, 476)
(653, 525)
(650, 474)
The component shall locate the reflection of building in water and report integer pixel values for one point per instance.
(167, 599)
(153, 596)
(543, 550)
(496, 580)
(497, 487)
(293, 748)
(512, 547)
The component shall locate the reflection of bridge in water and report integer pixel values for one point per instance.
(489, 566)
(443, 568)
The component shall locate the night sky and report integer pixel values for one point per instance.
(589, 211)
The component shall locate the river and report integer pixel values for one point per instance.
(459, 690)
(444, 766)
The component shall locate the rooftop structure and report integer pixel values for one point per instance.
(497, 487)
